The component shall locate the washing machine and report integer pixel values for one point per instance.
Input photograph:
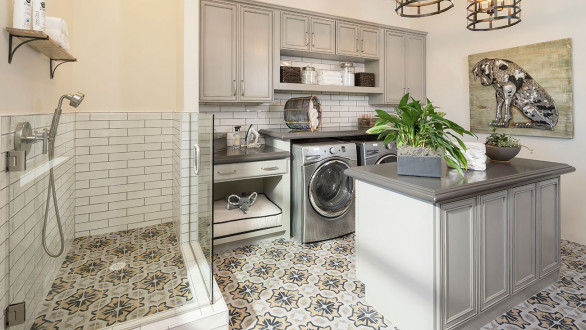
(375, 152)
(322, 195)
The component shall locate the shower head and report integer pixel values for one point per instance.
(74, 99)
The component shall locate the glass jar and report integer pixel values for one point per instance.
(347, 74)
(308, 75)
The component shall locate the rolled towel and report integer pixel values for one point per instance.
(56, 23)
(475, 156)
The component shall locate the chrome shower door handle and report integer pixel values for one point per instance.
(196, 159)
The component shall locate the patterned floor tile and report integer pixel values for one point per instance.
(87, 294)
(286, 285)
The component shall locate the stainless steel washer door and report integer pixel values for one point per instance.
(390, 158)
(330, 190)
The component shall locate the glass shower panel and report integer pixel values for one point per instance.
(201, 192)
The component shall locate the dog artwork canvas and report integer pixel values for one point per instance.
(524, 90)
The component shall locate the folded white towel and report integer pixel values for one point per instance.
(476, 156)
(58, 37)
(327, 83)
(56, 23)
(327, 73)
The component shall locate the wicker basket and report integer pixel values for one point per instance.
(290, 75)
(366, 123)
(298, 113)
(364, 79)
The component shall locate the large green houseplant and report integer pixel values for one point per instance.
(421, 131)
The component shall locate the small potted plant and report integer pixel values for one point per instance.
(423, 137)
(501, 147)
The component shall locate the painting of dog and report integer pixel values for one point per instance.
(531, 90)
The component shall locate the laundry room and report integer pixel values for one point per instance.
(279, 164)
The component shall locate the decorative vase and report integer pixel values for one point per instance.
(426, 166)
(501, 154)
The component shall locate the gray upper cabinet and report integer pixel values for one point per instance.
(458, 274)
(415, 66)
(347, 39)
(256, 54)
(323, 35)
(524, 233)
(395, 67)
(369, 42)
(494, 246)
(218, 52)
(236, 53)
(548, 213)
(295, 32)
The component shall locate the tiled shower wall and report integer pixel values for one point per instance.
(29, 270)
(124, 171)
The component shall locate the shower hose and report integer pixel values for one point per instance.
(51, 190)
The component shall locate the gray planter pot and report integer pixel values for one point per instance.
(420, 166)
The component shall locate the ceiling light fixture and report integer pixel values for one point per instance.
(489, 15)
(422, 8)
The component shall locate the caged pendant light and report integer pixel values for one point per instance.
(488, 15)
(422, 8)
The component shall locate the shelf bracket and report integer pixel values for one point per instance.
(54, 68)
(12, 51)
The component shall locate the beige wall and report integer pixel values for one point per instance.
(448, 45)
(25, 86)
(127, 54)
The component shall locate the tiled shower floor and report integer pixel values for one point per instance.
(93, 289)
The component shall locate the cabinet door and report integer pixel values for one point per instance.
(256, 54)
(394, 67)
(523, 223)
(347, 39)
(323, 36)
(415, 66)
(548, 219)
(218, 73)
(369, 42)
(294, 31)
(458, 262)
(494, 248)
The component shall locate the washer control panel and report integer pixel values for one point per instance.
(313, 152)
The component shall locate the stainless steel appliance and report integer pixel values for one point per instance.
(375, 152)
(323, 196)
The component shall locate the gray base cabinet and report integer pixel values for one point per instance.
(496, 245)
(236, 53)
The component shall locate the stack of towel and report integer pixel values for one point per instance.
(56, 29)
(475, 155)
(325, 77)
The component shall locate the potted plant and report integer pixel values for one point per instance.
(502, 147)
(423, 137)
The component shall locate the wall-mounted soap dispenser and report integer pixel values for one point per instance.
(24, 137)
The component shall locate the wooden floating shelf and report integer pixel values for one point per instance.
(287, 87)
(42, 43)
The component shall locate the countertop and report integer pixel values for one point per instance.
(241, 155)
(452, 186)
(287, 134)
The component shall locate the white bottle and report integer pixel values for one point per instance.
(39, 15)
(21, 16)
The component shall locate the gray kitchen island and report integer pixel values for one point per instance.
(457, 252)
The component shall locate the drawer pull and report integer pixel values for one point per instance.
(226, 172)
(272, 168)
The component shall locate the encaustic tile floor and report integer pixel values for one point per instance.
(116, 277)
(285, 285)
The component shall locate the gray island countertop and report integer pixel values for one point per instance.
(288, 134)
(240, 155)
(452, 186)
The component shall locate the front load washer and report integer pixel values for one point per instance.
(375, 152)
(323, 196)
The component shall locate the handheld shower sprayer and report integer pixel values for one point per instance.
(74, 101)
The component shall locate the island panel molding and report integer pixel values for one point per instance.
(463, 261)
